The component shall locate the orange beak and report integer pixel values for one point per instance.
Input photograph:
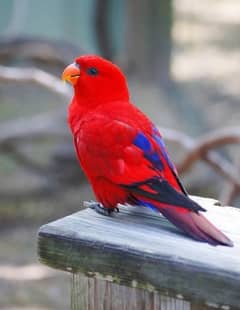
(71, 73)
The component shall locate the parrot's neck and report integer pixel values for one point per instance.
(82, 104)
(89, 97)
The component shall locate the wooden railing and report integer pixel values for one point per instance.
(136, 260)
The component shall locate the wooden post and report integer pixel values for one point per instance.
(136, 260)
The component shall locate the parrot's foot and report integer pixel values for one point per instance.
(99, 208)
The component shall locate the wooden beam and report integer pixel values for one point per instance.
(141, 249)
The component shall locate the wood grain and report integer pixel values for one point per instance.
(95, 294)
(140, 249)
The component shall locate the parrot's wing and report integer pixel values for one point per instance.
(126, 156)
(121, 152)
(162, 148)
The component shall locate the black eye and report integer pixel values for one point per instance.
(92, 71)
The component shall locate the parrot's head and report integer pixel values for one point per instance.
(96, 80)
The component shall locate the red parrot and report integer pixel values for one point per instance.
(122, 152)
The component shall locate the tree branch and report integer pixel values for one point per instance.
(210, 141)
(201, 149)
(34, 75)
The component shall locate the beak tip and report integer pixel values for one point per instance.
(70, 74)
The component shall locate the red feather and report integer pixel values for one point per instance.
(122, 153)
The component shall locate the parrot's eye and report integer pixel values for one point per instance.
(92, 71)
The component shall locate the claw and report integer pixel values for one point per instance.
(99, 208)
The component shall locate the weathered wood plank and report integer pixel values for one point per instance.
(139, 248)
(111, 296)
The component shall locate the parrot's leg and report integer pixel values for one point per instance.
(99, 208)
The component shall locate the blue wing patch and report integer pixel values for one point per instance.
(156, 136)
(148, 205)
(142, 142)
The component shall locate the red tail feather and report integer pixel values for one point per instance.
(196, 225)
